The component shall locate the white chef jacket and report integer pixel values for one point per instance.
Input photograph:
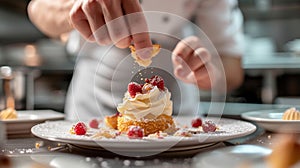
(101, 74)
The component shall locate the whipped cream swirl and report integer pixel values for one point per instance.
(146, 106)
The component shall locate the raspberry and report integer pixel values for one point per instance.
(209, 126)
(134, 88)
(94, 123)
(80, 128)
(117, 114)
(156, 81)
(135, 132)
(197, 122)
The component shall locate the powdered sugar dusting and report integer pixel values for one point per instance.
(227, 129)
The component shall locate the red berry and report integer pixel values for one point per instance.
(135, 132)
(80, 128)
(156, 81)
(134, 88)
(117, 114)
(197, 122)
(94, 123)
(209, 126)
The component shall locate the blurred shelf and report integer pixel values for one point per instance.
(271, 61)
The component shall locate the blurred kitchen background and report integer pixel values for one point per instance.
(43, 69)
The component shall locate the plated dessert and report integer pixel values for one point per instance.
(291, 114)
(147, 106)
(9, 113)
(146, 111)
(285, 152)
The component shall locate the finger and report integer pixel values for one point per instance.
(177, 61)
(181, 74)
(80, 22)
(182, 71)
(116, 24)
(199, 58)
(138, 27)
(204, 76)
(94, 15)
(185, 48)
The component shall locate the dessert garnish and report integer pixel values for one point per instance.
(183, 133)
(134, 88)
(156, 81)
(197, 122)
(158, 135)
(9, 113)
(209, 126)
(135, 132)
(104, 133)
(79, 129)
(142, 62)
(291, 114)
(94, 123)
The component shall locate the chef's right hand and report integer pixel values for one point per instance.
(87, 16)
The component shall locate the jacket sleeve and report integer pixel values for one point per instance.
(222, 22)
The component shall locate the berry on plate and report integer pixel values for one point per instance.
(80, 128)
(135, 132)
(209, 126)
(94, 123)
(197, 122)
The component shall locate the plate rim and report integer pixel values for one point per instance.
(247, 116)
(57, 115)
(184, 141)
(198, 159)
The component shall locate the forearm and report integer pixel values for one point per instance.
(51, 17)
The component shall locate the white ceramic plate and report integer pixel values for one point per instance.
(271, 120)
(235, 156)
(27, 119)
(228, 129)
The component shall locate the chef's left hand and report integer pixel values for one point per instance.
(193, 64)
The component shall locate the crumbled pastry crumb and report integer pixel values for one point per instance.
(72, 130)
(195, 130)
(159, 135)
(171, 129)
(183, 133)
(39, 144)
(112, 121)
(105, 133)
(141, 62)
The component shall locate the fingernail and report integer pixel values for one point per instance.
(144, 53)
(178, 59)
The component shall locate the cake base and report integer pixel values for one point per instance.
(161, 123)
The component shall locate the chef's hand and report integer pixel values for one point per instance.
(193, 64)
(87, 16)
